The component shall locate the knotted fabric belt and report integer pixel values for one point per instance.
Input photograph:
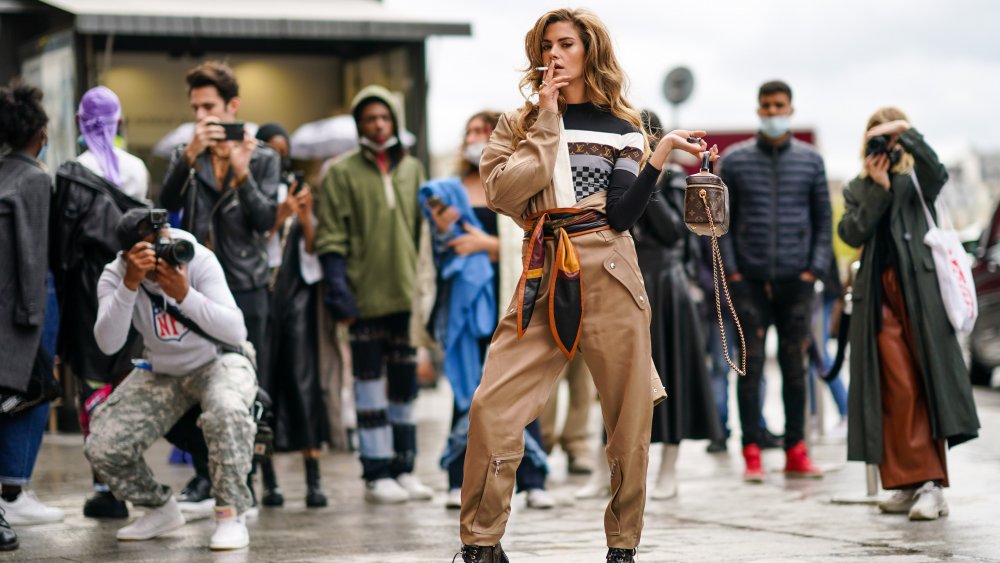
(566, 282)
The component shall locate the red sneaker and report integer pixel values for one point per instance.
(798, 464)
(754, 472)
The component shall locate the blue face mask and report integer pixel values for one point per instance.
(42, 153)
(776, 126)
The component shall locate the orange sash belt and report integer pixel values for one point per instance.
(566, 282)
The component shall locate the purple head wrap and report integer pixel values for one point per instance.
(99, 114)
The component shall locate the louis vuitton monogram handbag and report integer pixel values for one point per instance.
(706, 212)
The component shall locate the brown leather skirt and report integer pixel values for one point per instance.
(910, 454)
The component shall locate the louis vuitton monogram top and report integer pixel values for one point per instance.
(605, 154)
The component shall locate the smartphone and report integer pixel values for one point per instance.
(435, 203)
(234, 130)
(299, 177)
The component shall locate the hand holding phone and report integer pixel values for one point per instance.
(234, 130)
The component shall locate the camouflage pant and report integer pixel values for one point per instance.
(146, 405)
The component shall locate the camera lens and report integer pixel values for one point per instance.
(176, 252)
(877, 145)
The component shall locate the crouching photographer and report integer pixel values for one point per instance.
(173, 291)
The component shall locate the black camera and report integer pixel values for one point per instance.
(879, 144)
(174, 252)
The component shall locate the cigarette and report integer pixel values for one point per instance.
(541, 68)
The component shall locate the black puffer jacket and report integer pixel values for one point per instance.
(233, 223)
(780, 210)
(84, 214)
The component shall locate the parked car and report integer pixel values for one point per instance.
(984, 342)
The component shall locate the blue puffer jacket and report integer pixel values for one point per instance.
(780, 210)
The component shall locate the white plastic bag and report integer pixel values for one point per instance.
(953, 267)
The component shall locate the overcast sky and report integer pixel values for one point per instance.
(937, 60)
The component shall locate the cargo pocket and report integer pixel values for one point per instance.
(618, 266)
(612, 518)
(494, 504)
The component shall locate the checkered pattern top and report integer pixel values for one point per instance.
(602, 148)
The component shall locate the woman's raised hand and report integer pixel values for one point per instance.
(889, 129)
(548, 90)
(678, 139)
(877, 167)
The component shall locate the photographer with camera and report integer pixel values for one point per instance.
(172, 290)
(226, 184)
(909, 396)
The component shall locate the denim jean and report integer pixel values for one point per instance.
(20, 439)
(837, 388)
(720, 370)
(21, 433)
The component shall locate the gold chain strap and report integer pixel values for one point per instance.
(717, 266)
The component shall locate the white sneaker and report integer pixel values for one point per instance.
(197, 510)
(540, 498)
(454, 499)
(385, 491)
(593, 490)
(27, 510)
(230, 530)
(900, 502)
(930, 503)
(665, 489)
(413, 486)
(839, 431)
(154, 523)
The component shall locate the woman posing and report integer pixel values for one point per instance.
(909, 392)
(569, 170)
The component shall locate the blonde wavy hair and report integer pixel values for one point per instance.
(885, 115)
(603, 77)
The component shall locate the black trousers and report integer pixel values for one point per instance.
(787, 305)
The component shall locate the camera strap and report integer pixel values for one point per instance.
(193, 326)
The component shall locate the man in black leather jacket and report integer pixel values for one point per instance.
(227, 190)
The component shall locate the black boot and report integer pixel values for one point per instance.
(314, 493)
(620, 555)
(8, 539)
(272, 494)
(482, 554)
(198, 489)
(769, 441)
(104, 505)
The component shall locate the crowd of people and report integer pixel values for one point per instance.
(558, 250)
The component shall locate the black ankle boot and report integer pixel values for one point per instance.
(482, 554)
(8, 539)
(314, 493)
(620, 555)
(272, 494)
(104, 505)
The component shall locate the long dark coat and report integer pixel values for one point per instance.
(25, 192)
(82, 240)
(293, 380)
(942, 370)
(668, 257)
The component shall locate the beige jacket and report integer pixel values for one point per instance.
(535, 175)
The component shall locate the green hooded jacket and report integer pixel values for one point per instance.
(373, 220)
(942, 370)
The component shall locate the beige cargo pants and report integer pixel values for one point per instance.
(520, 374)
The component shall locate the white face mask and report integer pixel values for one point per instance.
(775, 127)
(390, 142)
(474, 152)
